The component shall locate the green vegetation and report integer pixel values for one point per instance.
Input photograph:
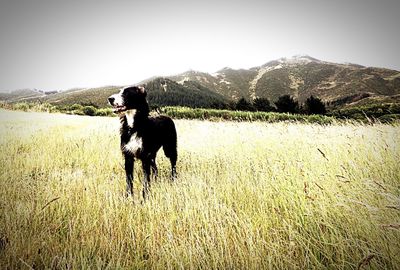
(212, 114)
(248, 196)
(383, 112)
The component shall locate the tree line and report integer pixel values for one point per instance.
(284, 104)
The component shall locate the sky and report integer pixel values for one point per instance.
(58, 45)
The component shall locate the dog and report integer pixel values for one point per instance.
(142, 136)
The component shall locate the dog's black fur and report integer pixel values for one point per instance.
(142, 136)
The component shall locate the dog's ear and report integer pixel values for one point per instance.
(142, 90)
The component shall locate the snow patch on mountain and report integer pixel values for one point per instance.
(297, 60)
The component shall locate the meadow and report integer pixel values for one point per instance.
(249, 195)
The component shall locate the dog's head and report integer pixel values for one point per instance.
(129, 98)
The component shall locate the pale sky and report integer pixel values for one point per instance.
(56, 45)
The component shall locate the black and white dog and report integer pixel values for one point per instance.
(142, 136)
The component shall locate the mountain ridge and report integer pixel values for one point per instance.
(338, 84)
(300, 76)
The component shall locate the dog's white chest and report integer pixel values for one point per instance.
(134, 146)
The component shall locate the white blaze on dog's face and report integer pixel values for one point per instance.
(117, 101)
(128, 98)
(118, 98)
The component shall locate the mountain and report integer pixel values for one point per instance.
(300, 77)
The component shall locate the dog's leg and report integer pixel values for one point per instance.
(172, 154)
(146, 163)
(154, 169)
(173, 157)
(173, 171)
(129, 163)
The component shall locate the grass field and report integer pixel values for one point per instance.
(248, 195)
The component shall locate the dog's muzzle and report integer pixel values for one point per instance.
(116, 107)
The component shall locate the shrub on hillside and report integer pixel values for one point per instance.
(43, 107)
(104, 112)
(74, 107)
(89, 110)
(76, 112)
(23, 106)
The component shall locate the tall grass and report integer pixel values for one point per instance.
(248, 195)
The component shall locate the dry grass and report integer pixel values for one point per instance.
(248, 195)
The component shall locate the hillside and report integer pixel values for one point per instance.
(161, 92)
(301, 76)
(21, 95)
(91, 96)
(165, 92)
